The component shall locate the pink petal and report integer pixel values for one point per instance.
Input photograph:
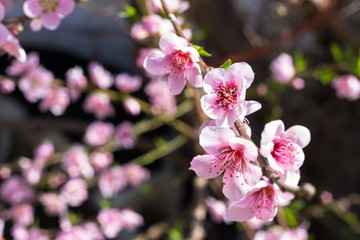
(271, 130)
(32, 9)
(201, 165)
(36, 24)
(251, 107)
(2, 12)
(228, 118)
(239, 211)
(235, 189)
(208, 105)
(292, 177)
(212, 79)
(50, 21)
(176, 82)
(65, 7)
(193, 75)
(249, 149)
(242, 71)
(214, 138)
(170, 42)
(299, 135)
(154, 62)
(4, 34)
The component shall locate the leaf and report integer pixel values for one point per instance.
(325, 76)
(130, 12)
(103, 203)
(290, 216)
(300, 62)
(336, 52)
(226, 64)
(74, 218)
(201, 50)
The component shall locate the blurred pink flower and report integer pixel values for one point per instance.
(216, 208)
(45, 150)
(7, 85)
(126, 83)
(173, 5)
(18, 68)
(178, 60)
(347, 86)
(254, 223)
(132, 107)
(99, 104)
(16, 190)
(100, 76)
(22, 214)
(19, 232)
(299, 233)
(160, 97)
(136, 174)
(57, 100)
(298, 83)
(31, 170)
(10, 44)
(282, 68)
(98, 133)
(47, 13)
(74, 192)
(130, 220)
(36, 84)
(111, 181)
(125, 136)
(54, 204)
(143, 52)
(76, 162)
(110, 222)
(101, 160)
(226, 90)
(93, 231)
(262, 89)
(326, 197)
(75, 82)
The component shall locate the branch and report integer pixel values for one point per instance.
(306, 191)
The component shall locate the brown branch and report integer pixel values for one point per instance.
(306, 191)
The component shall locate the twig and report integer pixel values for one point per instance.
(306, 191)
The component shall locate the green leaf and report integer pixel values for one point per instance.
(226, 64)
(336, 52)
(175, 234)
(74, 218)
(201, 50)
(145, 187)
(130, 12)
(104, 203)
(290, 216)
(300, 62)
(325, 76)
(297, 205)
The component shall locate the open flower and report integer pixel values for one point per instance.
(347, 86)
(47, 13)
(10, 44)
(230, 154)
(282, 68)
(178, 60)
(225, 97)
(283, 149)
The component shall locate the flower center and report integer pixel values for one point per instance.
(49, 6)
(262, 202)
(284, 151)
(181, 60)
(226, 96)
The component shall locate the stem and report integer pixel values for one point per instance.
(306, 191)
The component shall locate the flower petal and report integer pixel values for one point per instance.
(177, 82)
(214, 138)
(193, 75)
(32, 9)
(271, 130)
(50, 21)
(212, 79)
(299, 135)
(202, 166)
(234, 188)
(239, 211)
(154, 63)
(170, 42)
(65, 7)
(241, 71)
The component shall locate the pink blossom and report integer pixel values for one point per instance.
(100, 76)
(47, 13)
(78, 233)
(76, 162)
(298, 83)
(143, 53)
(2, 11)
(262, 89)
(98, 133)
(326, 197)
(110, 222)
(19, 232)
(132, 106)
(216, 208)
(45, 150)
(18, 68)
(16, 190)
(135, 174)
(260, 202)
(130, 220)
(76, 81)
(74, 192)
(225, 97)
(282, 68)
(7, 86)
(5, 172)
(173, 5)
(230, 154)
(272, 233)
(150, 25)
(178, 60)
(347, 86)
(93, 231)
(36, 84)
(101, 160)
(299, 233)
(10, 44)
(22, 214)
(125, 136)
(283, 149)
(57, 100)
(54, 204)
(31, 170)
(100, 105)
(254, 223)
(111, 181)
(126, 83)
(160, 97)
